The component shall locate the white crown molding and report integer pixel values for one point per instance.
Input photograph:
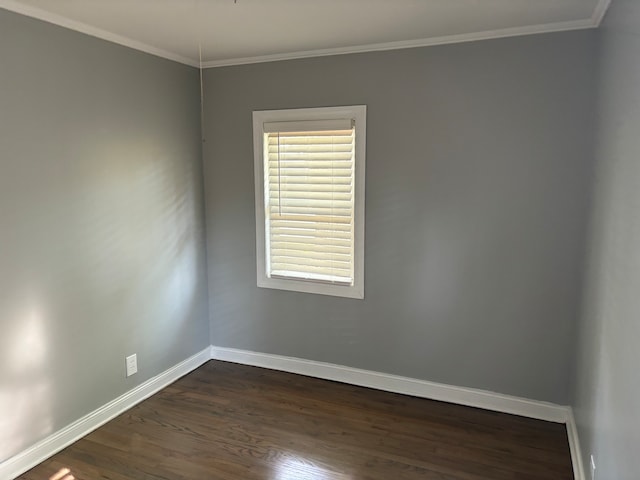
(32, 456)
(34, 12)
(599, 12)
(424, 42)
(574, 446)
(392, 383)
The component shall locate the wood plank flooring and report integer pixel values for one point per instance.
(233, 422)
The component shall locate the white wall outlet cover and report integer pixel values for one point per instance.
(132, 364)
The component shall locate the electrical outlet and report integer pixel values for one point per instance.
(593, 468)
(132, 364)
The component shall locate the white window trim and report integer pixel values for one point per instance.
(359, 114)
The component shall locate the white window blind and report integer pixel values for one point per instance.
(309, 166)
(309, 175)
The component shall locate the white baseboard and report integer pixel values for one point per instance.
(419, 388)
(55, 442)
(498, 402)
(574, 446)
(393, 383)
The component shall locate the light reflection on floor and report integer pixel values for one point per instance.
(298, 468)
(62, 474)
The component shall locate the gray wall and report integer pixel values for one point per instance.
(101, 224)
(607, 396)
(479, 162)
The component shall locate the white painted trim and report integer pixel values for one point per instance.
(55, 442)
(49, 446)
(574, 446)
(392, 383)
(423, 42)
(600, 11)
(357, 113)
(38, 13)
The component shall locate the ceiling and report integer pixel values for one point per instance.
(233, 32)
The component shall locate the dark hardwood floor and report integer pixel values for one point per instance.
(232, 422)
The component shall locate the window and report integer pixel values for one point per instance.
(309, 174)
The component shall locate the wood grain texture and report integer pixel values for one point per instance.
(234, 422)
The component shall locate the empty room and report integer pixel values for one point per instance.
(319, 239)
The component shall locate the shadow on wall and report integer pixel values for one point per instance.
(102, 262)
(144, 205)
